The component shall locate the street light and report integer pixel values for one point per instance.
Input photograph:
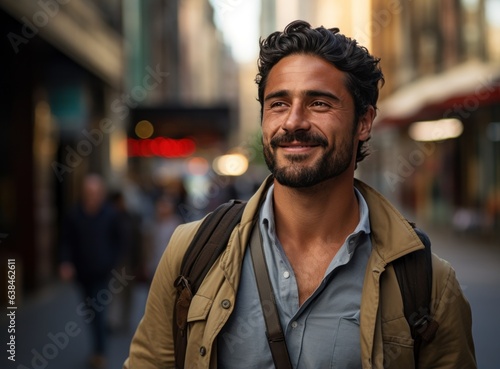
(436, 130)
(230, 165)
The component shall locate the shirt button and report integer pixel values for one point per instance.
(203, 351)
(294, 324)
(286, 274)
(226, 304)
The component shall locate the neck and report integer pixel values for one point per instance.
(324, 214)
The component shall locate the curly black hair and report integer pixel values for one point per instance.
(363, 73)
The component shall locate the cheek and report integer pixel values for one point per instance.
(268, 131)
(265, 139)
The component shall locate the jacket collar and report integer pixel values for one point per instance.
(392, 235)
(232, 257)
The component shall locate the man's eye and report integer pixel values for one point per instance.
(277, 104)
(319, 103)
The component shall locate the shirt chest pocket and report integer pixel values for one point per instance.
(347, 348)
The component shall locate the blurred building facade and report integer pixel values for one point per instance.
(61, 65)
(350, 17)
(75, 77)
(441, 61)
(193, 111)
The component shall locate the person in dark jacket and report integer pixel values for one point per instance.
(91, 248)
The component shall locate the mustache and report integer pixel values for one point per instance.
(300, 136)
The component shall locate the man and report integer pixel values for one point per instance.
(328, 239)
(91, 247)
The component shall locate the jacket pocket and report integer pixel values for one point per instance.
(398, 344)
(199, 308)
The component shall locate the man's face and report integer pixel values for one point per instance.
(93, 194)
(308, 130)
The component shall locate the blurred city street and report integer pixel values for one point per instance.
(475, 261)
(47, 315)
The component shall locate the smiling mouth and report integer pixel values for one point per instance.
(301, 147)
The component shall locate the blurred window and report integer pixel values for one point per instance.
(473, 40)
(492, 10)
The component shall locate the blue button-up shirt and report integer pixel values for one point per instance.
(324, 331)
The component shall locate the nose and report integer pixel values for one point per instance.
(296, 119)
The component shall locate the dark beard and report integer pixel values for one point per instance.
(332, 163)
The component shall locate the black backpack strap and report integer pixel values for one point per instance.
(207, 245)
(414, 274)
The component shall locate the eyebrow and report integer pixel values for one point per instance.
(275, 94)
(308, 93)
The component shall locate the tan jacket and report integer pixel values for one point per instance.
(385, 337)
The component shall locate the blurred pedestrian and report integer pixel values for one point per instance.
(159, 231)
(91, 246)
(130, 228)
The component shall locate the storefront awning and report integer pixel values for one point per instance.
(465, 87)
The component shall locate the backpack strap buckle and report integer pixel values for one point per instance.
(183, 302)
(426, 327)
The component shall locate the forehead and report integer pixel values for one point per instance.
(301, 72)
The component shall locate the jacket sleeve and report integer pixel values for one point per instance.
(453, 345)
(152, 346)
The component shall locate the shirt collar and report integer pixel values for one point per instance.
(363, 226)
(266, 219)
(266, 216)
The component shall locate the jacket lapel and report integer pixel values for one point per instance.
(232, 257)
(392, 237)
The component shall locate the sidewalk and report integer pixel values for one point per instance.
(51, 331)
(476, 258)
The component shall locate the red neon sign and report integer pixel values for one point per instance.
(161, 147)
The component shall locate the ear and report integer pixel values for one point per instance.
(365, 124)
